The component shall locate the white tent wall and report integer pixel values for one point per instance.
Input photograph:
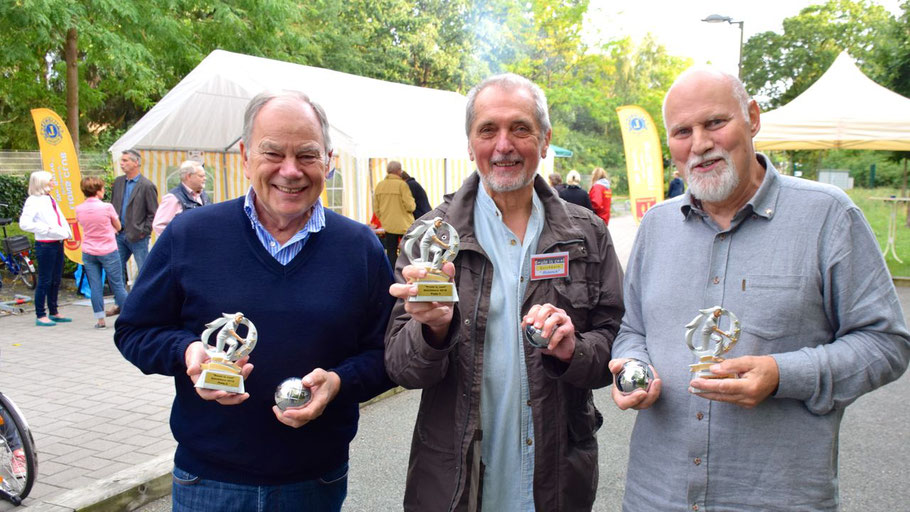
(438, 176)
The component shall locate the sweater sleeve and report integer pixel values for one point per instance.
(148, 331)
(363, 375)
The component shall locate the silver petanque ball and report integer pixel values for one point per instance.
(535, 337)
(292, 393)
(635, 374)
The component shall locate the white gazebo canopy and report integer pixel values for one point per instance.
(843, 109)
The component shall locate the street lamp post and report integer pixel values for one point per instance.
(717, 18)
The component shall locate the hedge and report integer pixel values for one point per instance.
(13, 192)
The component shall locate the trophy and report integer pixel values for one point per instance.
(221, 372)
(712, 340)
(292, 393)
(635, 374)
(437, 243)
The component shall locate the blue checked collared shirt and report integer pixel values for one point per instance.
(508, 427)
(284, 253)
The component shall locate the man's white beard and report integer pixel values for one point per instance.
(716, 186)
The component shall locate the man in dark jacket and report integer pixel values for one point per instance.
(420, 195)
(135, 199)
(502, 422)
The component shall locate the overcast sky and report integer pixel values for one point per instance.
(678, 26)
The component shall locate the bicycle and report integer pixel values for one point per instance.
(15, 255)
(18, 458)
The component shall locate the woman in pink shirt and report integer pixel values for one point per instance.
(100, 224)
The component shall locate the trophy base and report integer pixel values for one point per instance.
(435, 288)
(701, 369)
(223, 376)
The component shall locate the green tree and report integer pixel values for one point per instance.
(778, 67)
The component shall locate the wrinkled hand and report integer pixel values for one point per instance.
(324, 386)
(638, 399)
(759, 377)
(194, 356)
(555, 325)
(436, 316)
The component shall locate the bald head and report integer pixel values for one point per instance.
(698, 74)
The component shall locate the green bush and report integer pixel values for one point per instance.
(13, 192)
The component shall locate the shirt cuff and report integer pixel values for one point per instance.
(798, 377)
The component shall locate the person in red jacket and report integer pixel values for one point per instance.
(601, 194)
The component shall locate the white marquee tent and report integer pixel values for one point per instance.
(372, 121)
(842, 109)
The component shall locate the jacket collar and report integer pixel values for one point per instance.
(558, 224)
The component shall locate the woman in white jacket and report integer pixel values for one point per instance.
(42, 216)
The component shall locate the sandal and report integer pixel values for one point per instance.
(100, 325)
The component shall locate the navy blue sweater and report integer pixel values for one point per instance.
(328, 308)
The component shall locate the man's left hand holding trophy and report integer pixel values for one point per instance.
(216, 372)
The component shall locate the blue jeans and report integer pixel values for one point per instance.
(50, 270)
(110, 262)
(138, 249)
(189, 493)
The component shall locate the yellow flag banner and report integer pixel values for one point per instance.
(644, 160)
(60, 159)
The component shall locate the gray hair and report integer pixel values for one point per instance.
(259, 101)
(38, 183)
(736, 88)
(134, 156)
(510, 81)
(189, 167)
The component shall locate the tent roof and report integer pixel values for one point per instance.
(205, 110)
(842, 109)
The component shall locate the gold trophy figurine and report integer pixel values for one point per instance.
(221, 372)
(438, 243)
(712, 341)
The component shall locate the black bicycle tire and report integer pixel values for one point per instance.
(25, 273)
(28, 445)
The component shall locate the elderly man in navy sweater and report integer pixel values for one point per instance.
(315, 285)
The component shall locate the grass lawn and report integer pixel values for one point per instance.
(878, 213)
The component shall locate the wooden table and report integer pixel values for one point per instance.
(892, 223)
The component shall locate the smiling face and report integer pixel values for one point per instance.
(286, 164)
(504, 139)
(710, 138)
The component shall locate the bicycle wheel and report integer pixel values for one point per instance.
(26, 270)
(18, 469)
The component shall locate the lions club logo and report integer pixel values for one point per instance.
(637, 123)
(51, 131)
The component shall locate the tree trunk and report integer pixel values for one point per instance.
(71, 55)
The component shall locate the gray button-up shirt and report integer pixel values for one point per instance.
(801, 269)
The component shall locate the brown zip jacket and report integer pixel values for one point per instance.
(445, 471)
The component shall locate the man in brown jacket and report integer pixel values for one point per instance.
(394, 204)
(501, 422)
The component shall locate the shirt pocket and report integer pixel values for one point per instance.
(775, 304)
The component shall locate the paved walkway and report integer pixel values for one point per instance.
(92, 413)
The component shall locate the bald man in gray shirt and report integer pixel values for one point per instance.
(796, 261)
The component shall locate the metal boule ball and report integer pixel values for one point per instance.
(535, 337)
(292, 393)
(635, 374)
